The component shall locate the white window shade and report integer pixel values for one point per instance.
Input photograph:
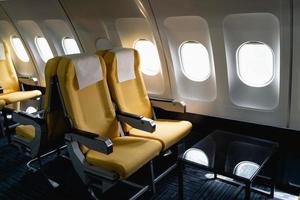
(19, 49)
(149, 58)
(43, 48)
(195, 61)
(255, 64)
(70, 46)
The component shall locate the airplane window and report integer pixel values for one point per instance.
(19, 48)
(43, 48)
(195, 61)
(255, 64)
(70, 46)
(150, 63)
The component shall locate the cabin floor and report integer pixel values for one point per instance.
(16, 182)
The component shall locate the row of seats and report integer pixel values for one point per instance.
(9, 83)
(106, 141)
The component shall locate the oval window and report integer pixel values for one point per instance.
(43, 48)
(195, 62)
(19, 48)
(150, 63)
(255, 64)
(70, 46)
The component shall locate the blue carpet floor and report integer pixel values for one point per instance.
(16, 183)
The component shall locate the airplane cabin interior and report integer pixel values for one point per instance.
(149, 99)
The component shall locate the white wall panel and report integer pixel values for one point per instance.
(214, 12)
(7, 30)
(241, 28)
(295, 100)
(121, 22)
(190, 28)
(40, 18)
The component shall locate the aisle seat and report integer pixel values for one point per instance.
(129, 93)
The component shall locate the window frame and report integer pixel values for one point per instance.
(17, 51)
(158, 71)
(182, 65)
(64, 47)
(42, 55)
(238, 64)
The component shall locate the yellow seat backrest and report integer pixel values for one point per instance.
(90, 108)
(130, 95)
(8, 76)
(54, 115)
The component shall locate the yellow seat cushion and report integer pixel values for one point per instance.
(19, 96)
(129, 154)
(26, 131)
(2, 103)
(168, 132)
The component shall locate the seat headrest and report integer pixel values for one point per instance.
(2, 51)
(125, 64)
(88, 69)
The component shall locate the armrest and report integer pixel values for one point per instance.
(1, 89)
(28, 78)
(168, 104)
(20, 116)
(28, 87)
(91, 140)
(137, 121)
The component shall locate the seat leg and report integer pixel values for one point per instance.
(152, 177)
(180, 179)
(1, 125)
(181, 147)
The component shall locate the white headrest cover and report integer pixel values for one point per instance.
(88, 69)
(125, 64)
(2, 51)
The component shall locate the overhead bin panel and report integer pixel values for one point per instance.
(45, 19)
(103, 24)
(229, 30)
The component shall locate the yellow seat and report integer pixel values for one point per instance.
(26, 131)
(168, 132)
(128, 156)
(9, 81)
(90, 109)
(30, 133)
(129, 93)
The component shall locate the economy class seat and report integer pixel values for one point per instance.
(9, 83)
(96, 146)
(129, 93)
(45, 128)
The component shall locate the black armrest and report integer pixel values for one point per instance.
(1, 89)
(22, 114)
(168, 104)
(137, 121)
(28, 87)
(40, 113)
(91, 140)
